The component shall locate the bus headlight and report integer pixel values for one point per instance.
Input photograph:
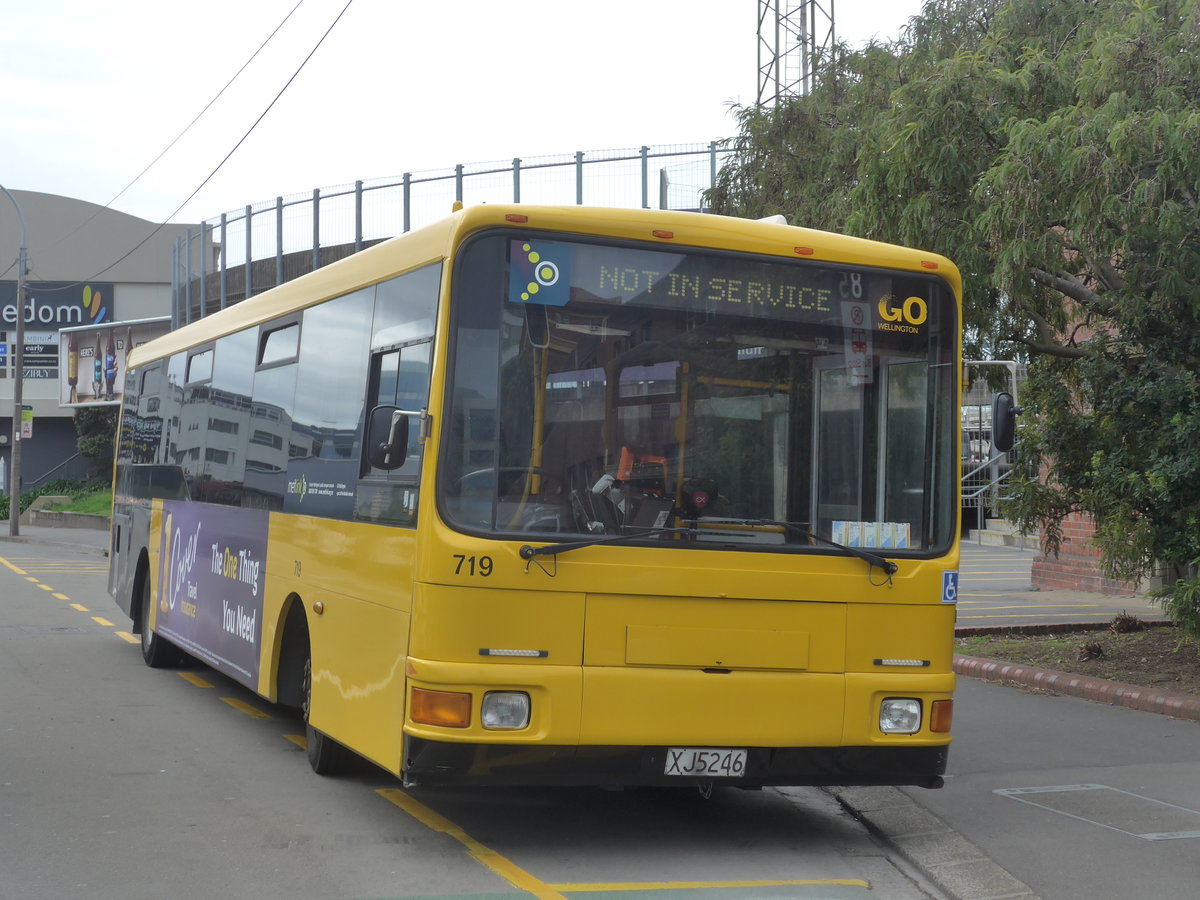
(507, 710)
(900, 715)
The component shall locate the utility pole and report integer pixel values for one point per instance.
(792, 36)
(14, 487)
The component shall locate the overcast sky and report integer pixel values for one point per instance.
(91, 92)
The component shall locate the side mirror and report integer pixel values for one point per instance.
(1004, 422)
(387, 437)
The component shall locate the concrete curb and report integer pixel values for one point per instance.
(941, 854)
(1100, 690)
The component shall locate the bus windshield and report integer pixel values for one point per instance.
(604, 388)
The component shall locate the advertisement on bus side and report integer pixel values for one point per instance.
(211, 572)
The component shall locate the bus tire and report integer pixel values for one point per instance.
(325, 755)
(158, 652)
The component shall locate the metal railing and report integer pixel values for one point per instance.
(248, 251)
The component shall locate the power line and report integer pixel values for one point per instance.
(227, 156)
(179, 136)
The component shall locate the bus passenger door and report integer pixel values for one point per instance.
(399, 378)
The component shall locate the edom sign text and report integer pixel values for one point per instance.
(51, 305)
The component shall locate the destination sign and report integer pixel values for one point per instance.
(555, 273)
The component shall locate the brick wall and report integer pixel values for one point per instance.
(1077, 566)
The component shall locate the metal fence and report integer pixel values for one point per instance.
(248, 251)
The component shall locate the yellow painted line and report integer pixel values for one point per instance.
(968, 572)
(100, 620)
(192, 678)
(1043, 606)
(509, 871)
(45, 587)
(1047, 615)
(299, 740)
(971, 578)
(31, 578)
(242, 707)
(128, 638)
(11, 566)
(702, 885)
(62, 597)
(80, 607)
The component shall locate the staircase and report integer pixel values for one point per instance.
(1000, 533)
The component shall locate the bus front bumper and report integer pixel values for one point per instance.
(429, 763)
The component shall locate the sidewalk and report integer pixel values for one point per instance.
(90, 540)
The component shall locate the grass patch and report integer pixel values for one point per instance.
(96, 503)
(1156, 657)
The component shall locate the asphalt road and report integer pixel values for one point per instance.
(995, 590)
(122, 782)
(1075, 799)
(144, 778)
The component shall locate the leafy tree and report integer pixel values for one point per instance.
(1052, 149)
(96, 436)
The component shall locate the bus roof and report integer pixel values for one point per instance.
(433, 242)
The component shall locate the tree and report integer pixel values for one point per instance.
(1052, 149)
(96, 436)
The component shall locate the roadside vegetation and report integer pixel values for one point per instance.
(1048, 147)
(86, 497)
(1157, 657)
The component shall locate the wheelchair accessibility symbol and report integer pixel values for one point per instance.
(949, 587)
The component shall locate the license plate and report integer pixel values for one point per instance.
(707, 761)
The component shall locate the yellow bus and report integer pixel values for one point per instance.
(567, 496)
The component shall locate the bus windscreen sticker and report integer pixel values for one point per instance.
(210, 584)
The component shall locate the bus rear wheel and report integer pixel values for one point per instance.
(158, 652)
(325, 755)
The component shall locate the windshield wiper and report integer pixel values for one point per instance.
(529, 552)
(874, 559)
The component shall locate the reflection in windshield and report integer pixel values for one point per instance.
(603, 390)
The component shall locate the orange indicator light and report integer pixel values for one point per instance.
(940, 716)
(446, 708)
(664, 235)
(516, 217)
(805, 251)
(927, 264)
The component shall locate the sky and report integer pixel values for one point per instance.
(93, 91)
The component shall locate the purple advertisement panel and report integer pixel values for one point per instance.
(212, 567)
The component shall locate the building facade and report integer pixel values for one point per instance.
(86, 265)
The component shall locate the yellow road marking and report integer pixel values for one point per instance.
(129, 638)
(1042, 606)
(60, 596)
(1047, 615)
(45, 587)
(80, 607)
(243, 707)
(701, 885)
(11, 566)
(509, 871)
(522, 880)
(969, 580)
(31, 578)
(299, 740)
(193, 678)
(100, 620)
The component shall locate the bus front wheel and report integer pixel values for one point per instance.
(325, 755)
(157, 651)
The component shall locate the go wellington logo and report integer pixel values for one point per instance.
(539, 273)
